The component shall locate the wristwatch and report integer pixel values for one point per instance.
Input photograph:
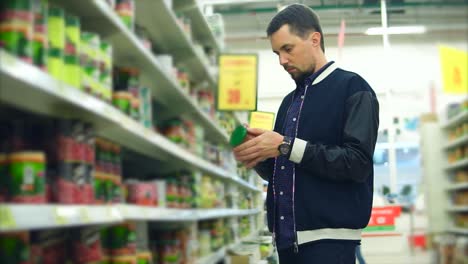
(285, 147)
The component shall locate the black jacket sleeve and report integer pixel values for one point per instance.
(265, 168)
(353, 160)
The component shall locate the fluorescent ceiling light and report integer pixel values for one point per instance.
(396, 30)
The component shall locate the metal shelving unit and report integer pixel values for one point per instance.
(26, 87)
(169, 37)
(17, 216)
(200, 27)
(129, 51)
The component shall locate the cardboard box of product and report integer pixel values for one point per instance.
(245, 254)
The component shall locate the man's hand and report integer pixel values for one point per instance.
(259, 145)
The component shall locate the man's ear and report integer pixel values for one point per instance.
(315, 37)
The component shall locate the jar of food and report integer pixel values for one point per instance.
(16, 31)
(27, 177)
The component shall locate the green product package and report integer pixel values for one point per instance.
(16, 34)
(121, 100)
(72, 71)
(55, 63)
(56, 30)
(238, 136)
(14, 248)
(40, 40)
(27, 173)
(72, 35)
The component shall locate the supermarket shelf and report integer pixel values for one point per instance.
(458, 119)
(458, 186)
(458, 165)
(458, 208)
(25, 217)
(135, 212)
(169, 37)
(459, 230)
(213, 258)
(457, 142)
(29, 88)
(97, 16)
(221, 253)
(29, 216)
(200, 26)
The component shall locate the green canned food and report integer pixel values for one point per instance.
(144, 257)
(27, 177)
(15, 248)
(123, 239)
(16, 27)
(72, 71)
(40, 40)
(55, 64)
(3, 177)
(126, 11)
(72, 35)
(56, 30)
(122, 100)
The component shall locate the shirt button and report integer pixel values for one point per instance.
(302, 97)
(282, 167)
(282, 217)
(281, 193)
(294, 119)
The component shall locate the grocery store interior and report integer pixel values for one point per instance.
(116, 119)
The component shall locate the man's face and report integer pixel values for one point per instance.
(295, 53)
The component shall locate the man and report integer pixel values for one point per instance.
(318, 160)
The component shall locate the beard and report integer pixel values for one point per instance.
(300, 77)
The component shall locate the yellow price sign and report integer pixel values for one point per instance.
(237, 86)
(7, 220)
(454, 65)
(59, 218)
(263, 120)
(84, 215)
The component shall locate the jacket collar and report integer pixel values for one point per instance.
(325, 73)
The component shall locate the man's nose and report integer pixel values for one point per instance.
(283, 60)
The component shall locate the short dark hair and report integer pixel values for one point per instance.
(301, 19)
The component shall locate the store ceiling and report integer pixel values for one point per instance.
(246, 20)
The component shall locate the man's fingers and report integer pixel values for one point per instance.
(246, 145)
(255, 131)
(248, 157)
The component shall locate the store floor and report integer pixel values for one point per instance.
(387, 258)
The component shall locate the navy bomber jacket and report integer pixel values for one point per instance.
(333, 157)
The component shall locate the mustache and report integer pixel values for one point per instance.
(287, 68)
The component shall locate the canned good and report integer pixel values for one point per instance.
(126, 11)
(40, 41)
(101, 191)
(27, 177)
(122, 240)
(122, 100)
(56, 30)
(135, 108)
(15, 247)
(16, 27)
(55, 63)
(70, 185)
(72, 70)
(3, 177)
(86, 245)
(144, 257)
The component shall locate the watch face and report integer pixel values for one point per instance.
(284, 148)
